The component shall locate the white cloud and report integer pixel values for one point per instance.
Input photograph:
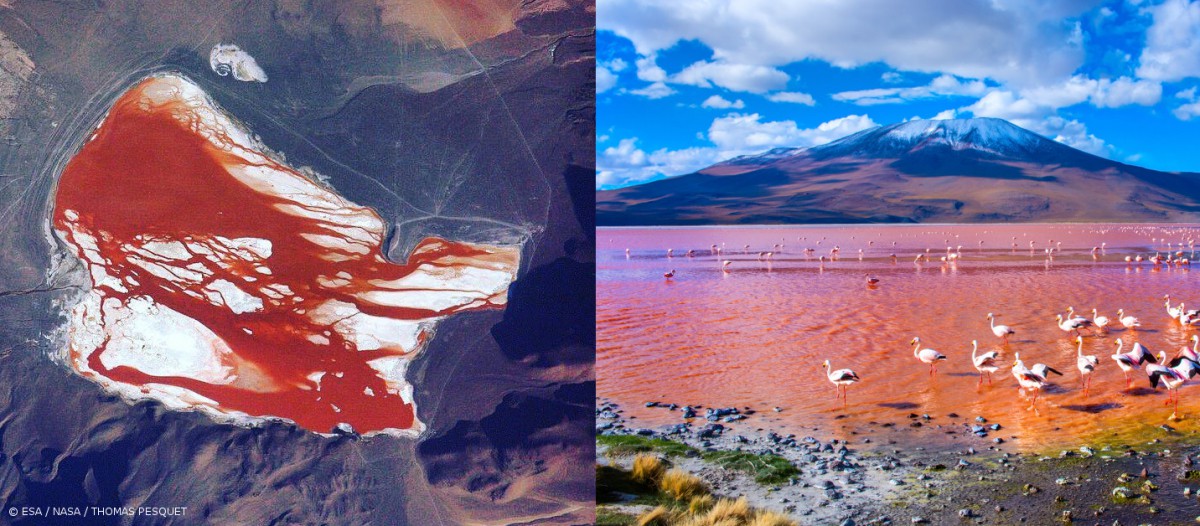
(891, 77)
(794, 97)
(605, 79)
(617, 65)
(1102, 93)
(731, 136)
(1017, 42)
(736, 77)
(721, 103)
(944, 85)
(1172, 49)
(1191, 108)
(656, 90)
(648, 70)
(946, 114)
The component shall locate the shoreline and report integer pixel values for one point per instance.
(876, 479)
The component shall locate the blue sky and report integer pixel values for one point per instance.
(684, 84)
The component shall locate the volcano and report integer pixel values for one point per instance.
(937, 171)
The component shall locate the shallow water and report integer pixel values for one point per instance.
(757, 335)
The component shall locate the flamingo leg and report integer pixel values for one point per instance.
(980, 384)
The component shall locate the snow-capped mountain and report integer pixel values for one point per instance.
(956, 170)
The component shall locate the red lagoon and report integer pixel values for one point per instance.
(751, 313)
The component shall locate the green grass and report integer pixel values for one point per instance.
(767, 469)
(634, 444)
(609, 517)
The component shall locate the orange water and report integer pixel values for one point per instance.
(757, 335)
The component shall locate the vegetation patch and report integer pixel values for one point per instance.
(767, 469)
(634, 444)
(606, 516)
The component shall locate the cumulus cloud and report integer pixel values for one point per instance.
(794, 97)
(605, 79)
(731, 136)
(736, 77)
(944, 85)
(648, 70)
(721, 103)
(1017, 42)
(1172, 49)
(656, 90)
(1191, 106)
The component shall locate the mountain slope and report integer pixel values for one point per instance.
(961, 170)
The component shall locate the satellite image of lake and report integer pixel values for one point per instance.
(297, 262)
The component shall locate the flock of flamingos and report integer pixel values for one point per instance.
(1171, 373)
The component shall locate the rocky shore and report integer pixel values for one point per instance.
(919, 469)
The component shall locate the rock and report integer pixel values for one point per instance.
(896, 482)
(1087, 451)
(711, 430)
(847, 522)
(994, 427)
(965, 513)
(1066, 516)
(688, 412)
(998, 440)
(1061, 481)
(677, 429)
(644, 432)
(1122, 492)
(1029, 489)
(962, 464)
(651, 404)
(981, 420)
(778, 409)
(920, 520)
(833, 494)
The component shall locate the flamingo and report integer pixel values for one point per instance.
(1191, 354)
(1101, 322)
(1082, 321)
(840, 379)
(985, 363)
(1033, 379)
(1129, 322)
(1131, 360)
(1172, 378)
(670, 274)
(1068, 325)
(1086, 364)
(1001, 331)
(928, 356)
(1173, 312)
(871, 282)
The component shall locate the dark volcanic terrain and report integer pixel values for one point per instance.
(472, 122)
(951, 171)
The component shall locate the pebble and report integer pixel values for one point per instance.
(896, 482)
(981, 420)
(923, 520)
(964, 513)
